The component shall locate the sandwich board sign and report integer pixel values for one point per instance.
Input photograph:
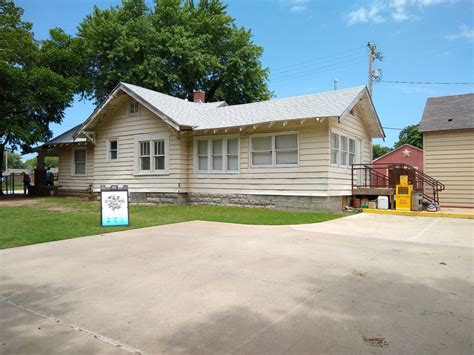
(114, 206)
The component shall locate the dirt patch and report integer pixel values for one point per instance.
(8, 201)
(377, 342)
(56, 208)
(359, 274)
(32, 202)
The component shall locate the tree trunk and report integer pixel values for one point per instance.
(2, 153)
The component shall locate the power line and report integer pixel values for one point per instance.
(424, 82)
(315, 65)
(392, 128)
(338, 65)
(341, 54)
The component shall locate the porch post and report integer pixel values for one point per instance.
(40, 174)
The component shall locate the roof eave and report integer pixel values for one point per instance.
(382, 132)
(354, 102)
(197, 129)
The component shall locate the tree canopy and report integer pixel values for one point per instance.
(14, 161)
(410, 135)
(173, 47)
(38, 80)
(51, 162)
(379, 150)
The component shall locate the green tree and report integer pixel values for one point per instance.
(38, 80)
(52, 162)
(410, 135)
(379, 150)
(14, 161)
(173, 47)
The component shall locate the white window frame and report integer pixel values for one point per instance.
(274, 151)
(133, 103)
(338, 158)
(354, 154)
(225, 154)
(151, 138)
(339, 149)
(109, 149)
(73, 161)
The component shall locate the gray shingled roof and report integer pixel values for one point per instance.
(219, 115)
(199, 116)
(327, 104)
(448, 113)
(67, 137)
(183, 112)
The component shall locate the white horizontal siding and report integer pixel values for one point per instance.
(309, 178)
(69, 181)
(339, 178)
(122, 171)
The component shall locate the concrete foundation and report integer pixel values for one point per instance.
(158, 197)
(283, 203)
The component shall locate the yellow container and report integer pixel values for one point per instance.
(403, 194)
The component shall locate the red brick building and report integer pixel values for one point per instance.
(405, 154)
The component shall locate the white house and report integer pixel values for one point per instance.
(293, 153)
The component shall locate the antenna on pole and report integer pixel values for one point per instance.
(374, 54)
(335, 83)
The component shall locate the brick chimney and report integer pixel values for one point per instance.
(199, 96)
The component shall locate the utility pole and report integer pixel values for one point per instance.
(374, 54)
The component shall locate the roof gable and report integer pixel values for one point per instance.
(396, 150)
(448, 113)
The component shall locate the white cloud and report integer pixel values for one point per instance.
(296, 6)
(463, 33)
(379, 11)
(367, 14)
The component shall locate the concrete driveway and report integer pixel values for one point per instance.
(362, 284)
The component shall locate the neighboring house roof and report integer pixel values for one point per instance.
(396, 150)
(448, 113)
(183, 114)
(67, 137)
(8, 172)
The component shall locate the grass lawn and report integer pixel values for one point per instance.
(59, 218)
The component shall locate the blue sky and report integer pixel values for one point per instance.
(308, 43)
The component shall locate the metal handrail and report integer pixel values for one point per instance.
(419, 179)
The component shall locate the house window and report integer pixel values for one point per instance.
(159, 154)
(352, 151)
(151, 154)
(79, 167)
(217, 155)
(286, 149)
(334, 148)
(144, 156)
(113, 149)
(343, 150)
(217, 158)
(133, 108)
(232, 154)
(262, 152)
(202, 155)
(274, 150)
